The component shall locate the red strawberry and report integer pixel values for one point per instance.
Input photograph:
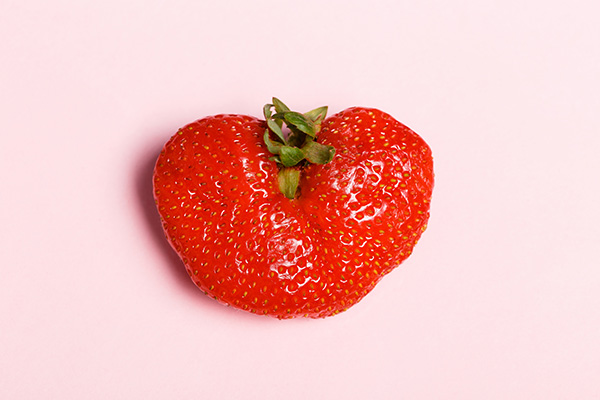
(342, 224)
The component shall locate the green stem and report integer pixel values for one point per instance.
(289, 178)
(291, 153)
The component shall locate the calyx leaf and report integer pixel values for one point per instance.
(317, 115)
(301, 122)
(279, 106)
(290, 149)
(318, 153)
(267, 111)
(288, 181)
(273, 146)
(290, 156)
(276, 129)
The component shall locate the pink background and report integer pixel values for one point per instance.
(501, 299)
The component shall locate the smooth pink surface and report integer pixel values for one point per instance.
(501, 299)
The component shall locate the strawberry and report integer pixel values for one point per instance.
(294, 215)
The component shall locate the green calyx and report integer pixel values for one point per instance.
(296, 146)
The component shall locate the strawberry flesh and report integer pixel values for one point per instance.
(244, 243)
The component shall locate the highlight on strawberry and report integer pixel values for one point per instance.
(298, 214)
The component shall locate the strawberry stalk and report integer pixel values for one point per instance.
(293, 148)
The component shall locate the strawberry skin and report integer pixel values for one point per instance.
(245, 244)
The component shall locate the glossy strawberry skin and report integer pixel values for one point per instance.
(245, 244)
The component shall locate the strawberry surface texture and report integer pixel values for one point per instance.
(312, 248)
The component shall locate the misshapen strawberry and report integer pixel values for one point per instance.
(298, 223)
